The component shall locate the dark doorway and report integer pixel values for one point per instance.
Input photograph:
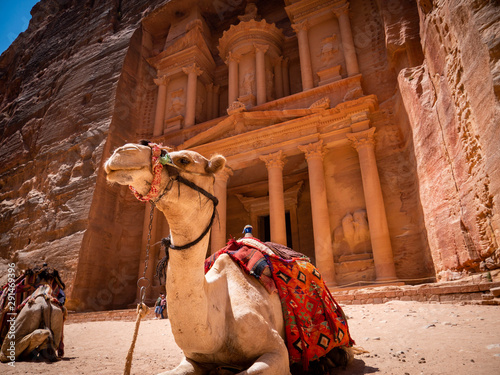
(265, 229)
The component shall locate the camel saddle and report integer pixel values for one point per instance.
(314, 322)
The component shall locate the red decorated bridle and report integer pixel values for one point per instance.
(159, 158)
(157, 166)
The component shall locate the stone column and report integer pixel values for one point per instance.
(278, 77)
(260, 72)
(215, 102)
(218, 236)
(161, 102)
(351, 60)
(275, 163)
(304, 55)
(210, 98)
(286, 78)
(364, 143)
(192, 72)
(319, 209)
(233, 80)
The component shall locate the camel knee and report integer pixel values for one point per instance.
(186, 367)
(273, 363)
(36, 339)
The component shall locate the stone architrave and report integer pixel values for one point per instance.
(233, 83)
(162, 83)
(274, 164)
(218, 235)
(304, 55)
(351, 60)
(192, 71)
(260, 67)
(320, 215)
(364, 143)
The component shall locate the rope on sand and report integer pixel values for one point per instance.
(142, 311)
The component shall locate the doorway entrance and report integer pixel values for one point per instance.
(264, 229)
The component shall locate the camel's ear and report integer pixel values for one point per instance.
(215, 164)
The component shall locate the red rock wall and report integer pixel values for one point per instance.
(452, 103)
(57, 99)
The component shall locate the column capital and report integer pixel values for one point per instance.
(223, 175)
(209, 87)
(261, 47)
(363, 138)
(285, 60)
(278, 60)
(215, 89)
(341, 10)
(163, 80)
(313, 150)
(232, 57)
(301, 26)
(192, 69)
(274, 160)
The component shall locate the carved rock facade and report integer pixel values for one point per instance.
(361, 133)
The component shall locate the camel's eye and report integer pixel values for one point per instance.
(184, 161)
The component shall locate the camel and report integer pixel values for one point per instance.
(38, 327)
(224, 318)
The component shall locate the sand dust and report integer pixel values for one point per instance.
(401, 337)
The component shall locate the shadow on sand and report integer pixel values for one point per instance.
(357, 367)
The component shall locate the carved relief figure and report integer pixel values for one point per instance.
(177, 102)
(199, 108)
(248, 84)
(329, 48)
(269, 85)
(353, 235)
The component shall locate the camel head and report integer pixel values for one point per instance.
(164, 176)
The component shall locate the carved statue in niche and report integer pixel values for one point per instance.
(329, 48)
(199, 108)
(250, 13)
(247, 85)
(177, 102)
(353, 235)
(269, 85)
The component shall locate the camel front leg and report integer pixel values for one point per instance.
(272, 363)
(28, 343)
(186, 367)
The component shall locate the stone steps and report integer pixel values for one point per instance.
(449, 292)
(481, 293)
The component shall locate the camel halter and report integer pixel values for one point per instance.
(160, 158)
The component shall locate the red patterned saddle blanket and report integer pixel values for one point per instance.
(314, 322)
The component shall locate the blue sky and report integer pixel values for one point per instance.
(14, 19)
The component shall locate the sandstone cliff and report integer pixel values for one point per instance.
(57, 97)
(452, 102)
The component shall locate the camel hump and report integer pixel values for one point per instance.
(284, 251)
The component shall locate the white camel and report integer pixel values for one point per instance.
(222, 318)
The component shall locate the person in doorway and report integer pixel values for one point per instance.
(158, 311)
(163, 305)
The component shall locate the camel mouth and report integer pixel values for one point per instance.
(119, 176)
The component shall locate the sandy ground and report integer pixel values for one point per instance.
(401, 337)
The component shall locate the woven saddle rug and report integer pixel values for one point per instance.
(314, 322)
